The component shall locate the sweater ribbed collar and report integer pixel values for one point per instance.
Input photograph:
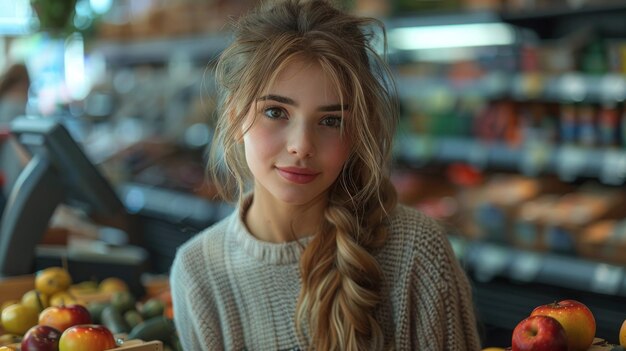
(267, 252)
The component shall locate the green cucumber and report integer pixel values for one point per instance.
(152, 308)
(113, 319)
(156, 328)
(132, 318)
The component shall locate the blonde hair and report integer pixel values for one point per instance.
(341, 279)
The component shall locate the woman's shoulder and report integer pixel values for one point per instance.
(409, 221)
(411, 229)
(417, 238)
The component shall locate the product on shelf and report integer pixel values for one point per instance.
(604, 240)
(528, 226)
(576, 211)
(500, 199)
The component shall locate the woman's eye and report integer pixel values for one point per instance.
(332, 121)
(274, 113)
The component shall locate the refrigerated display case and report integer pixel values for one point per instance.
(538, 120)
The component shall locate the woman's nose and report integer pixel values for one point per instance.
(301, 142)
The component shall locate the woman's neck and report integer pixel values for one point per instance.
(271, 220)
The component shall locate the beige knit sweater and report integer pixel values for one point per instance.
(234, 292)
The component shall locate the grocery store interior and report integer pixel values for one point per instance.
(512, 135)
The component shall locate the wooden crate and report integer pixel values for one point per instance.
(141, 346)
(12, 288)
(135, 345)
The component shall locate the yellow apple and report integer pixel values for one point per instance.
(52, 280)
(63, 298)
(112, 284)
(18, 318)
(35, 299)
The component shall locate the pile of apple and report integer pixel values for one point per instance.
(567, 325)
(60, 316)
(49, 319)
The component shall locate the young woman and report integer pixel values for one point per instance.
(318, 255)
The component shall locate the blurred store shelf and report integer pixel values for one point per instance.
(569, 162)
(159, 51)
(487, 261)
(566, 88)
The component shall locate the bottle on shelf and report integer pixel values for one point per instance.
(568, 129)
(607, 124)
(587, 135)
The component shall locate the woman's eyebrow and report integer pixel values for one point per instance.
(332, 108)
(290, 101)
(278, 98)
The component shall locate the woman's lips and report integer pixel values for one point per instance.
(297, 175)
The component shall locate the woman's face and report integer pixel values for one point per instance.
(294, 146)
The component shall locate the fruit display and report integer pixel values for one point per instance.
(566, 325)
(55, 314)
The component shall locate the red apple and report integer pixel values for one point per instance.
(87, 337)
(576, 319)
(63, 317)
(539, 333)
(41, 338)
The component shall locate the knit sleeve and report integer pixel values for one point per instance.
(464, 326)
(195, 333)
(441, 291)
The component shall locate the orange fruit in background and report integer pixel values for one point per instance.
(52, 280)
(18, 318)
(622, 335)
